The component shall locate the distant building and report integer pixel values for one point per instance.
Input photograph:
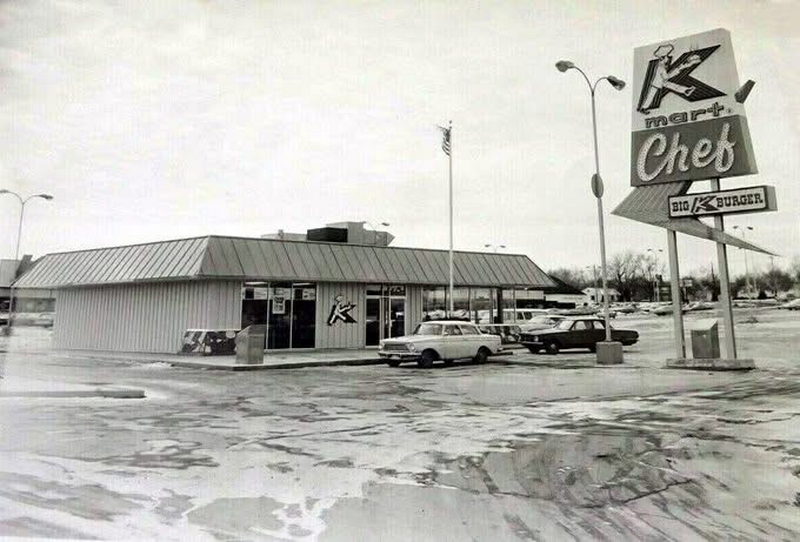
(26, 300)
(565, 295)
(595, 295)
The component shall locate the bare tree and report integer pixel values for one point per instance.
(626, 273)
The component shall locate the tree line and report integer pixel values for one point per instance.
(638, 276)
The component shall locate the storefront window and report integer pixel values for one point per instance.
(288, 310)
(509, 304)
(433, 303)
(482, 307)
(461, 303)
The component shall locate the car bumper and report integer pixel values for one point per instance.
(532, 344)
(399, 356)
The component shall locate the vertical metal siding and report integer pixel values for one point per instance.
(340, 335)
(413, 307)
(143, 317)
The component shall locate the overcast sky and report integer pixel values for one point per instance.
(169, 119)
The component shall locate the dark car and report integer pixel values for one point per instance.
(575, 333)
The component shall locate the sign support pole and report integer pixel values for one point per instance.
(675, 278)
(724, 285)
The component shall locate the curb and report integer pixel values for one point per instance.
(121, 393)
(287, 365)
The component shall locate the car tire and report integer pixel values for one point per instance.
(482, 355)
(551, 347)
(533, 350)
(426, 359)
(394, 363)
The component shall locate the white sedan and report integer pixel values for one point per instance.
(443, 340)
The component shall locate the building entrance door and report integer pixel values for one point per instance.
(386, 308)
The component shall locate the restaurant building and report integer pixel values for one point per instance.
(338, 287)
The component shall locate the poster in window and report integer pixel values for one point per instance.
(278, 305)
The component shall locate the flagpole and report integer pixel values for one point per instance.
(450, 156)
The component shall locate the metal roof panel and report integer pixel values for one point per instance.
(272, 259)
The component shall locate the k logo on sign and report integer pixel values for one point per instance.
(665, 76)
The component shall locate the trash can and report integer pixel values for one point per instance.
(705, 339)
(250, 345)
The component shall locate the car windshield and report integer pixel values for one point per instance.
(428, 329)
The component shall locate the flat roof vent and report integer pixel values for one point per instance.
(328, 235)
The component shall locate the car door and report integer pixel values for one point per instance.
(598, 331)
(579, 335)
(472, 340)
(451, 341)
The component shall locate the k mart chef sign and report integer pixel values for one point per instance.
(687, 124)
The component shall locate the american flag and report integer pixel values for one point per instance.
(446, 139)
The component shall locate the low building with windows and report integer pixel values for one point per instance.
(595, 295)
(26, 300)
(309, 294)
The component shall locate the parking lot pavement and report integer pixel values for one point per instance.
(498, 451)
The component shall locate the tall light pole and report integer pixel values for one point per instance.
(597, 181)
(494, 248)
(746, 266)
(656, 290)
(22, 203)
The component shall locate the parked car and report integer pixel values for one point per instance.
(697, 306)
(508, 333)
(440, 340)
(575, 333)
(792, 305)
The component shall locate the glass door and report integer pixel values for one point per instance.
(386, 313)
(394, 311)
(304, 314)
(373, 321)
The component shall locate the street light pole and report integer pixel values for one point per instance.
(597, 182)
(22, 203)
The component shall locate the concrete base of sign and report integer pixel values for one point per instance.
(609, 353)
(711, 364)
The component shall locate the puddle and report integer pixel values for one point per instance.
(587, 471)
(165, 454)
(232, 518)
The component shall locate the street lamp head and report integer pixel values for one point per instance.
(44, 196)
(4, 191)
(564, 65)
(386, 224)
(616, 82)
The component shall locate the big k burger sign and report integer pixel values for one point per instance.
(687, 124)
